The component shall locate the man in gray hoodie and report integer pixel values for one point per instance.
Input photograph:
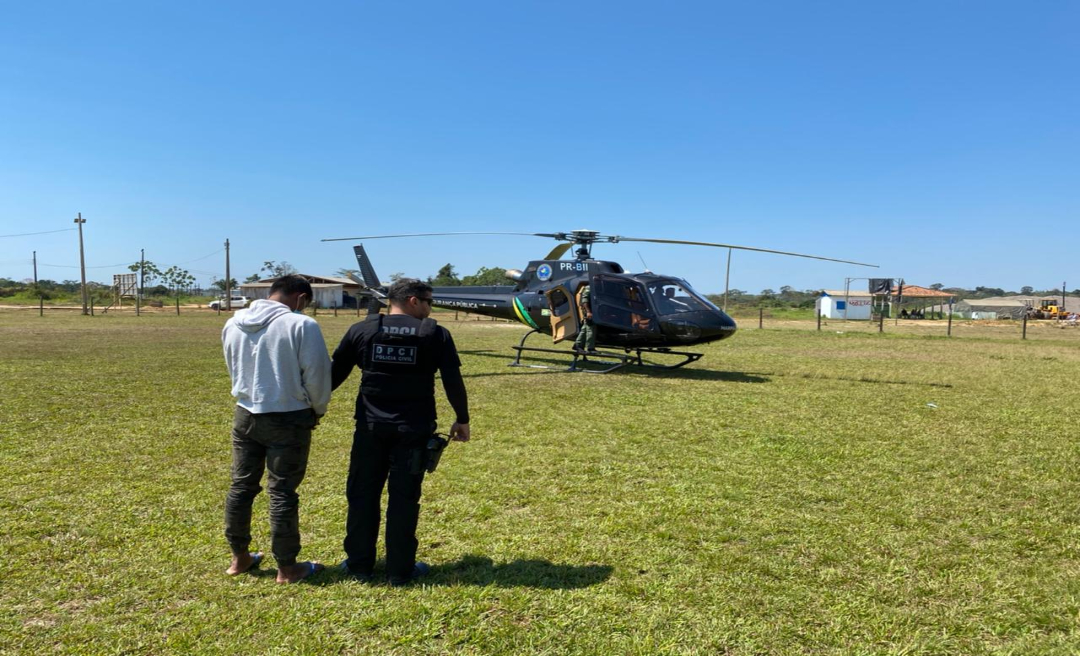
(280, 372)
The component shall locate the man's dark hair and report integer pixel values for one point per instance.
(289, 285)
(401, 290)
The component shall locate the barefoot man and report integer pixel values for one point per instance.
(280, 372)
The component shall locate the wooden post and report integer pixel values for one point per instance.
(177, 306)
(881, 320)
(819, 320)
(1023, 334)
(91, 306)
(948, 333)
(761, 317)
(41, 306)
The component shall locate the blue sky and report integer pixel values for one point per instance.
(937, 139)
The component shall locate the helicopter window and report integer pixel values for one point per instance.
(676, 297)
(560, 303)
(621, 304)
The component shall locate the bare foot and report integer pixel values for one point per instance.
(244, 562)
(298, 572)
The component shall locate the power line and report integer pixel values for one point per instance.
(104, 266)
(110, 266)
(48, 232)
(220, 250)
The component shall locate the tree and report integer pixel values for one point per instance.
(937, 286)
(446, 277)
(984, 292)
(177, 279)
(150, 272)
(768, 293)
(348, 273)
(1027, 290)
(223, 286)
(485, 277)
(252, 278)
(396, 276)
(278, 269)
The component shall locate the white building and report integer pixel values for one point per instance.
(326, 296)
(833, 305)
(330, 292)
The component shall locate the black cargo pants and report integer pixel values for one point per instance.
(278, 442)
(381, 452)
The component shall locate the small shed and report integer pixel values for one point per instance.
(833, 304)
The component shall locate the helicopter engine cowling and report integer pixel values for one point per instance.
(514, 274)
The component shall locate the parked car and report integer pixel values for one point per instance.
(238, 302)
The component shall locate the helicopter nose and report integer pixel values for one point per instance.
(700, 327)
(719, 326)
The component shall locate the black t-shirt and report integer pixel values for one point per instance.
(419, 414)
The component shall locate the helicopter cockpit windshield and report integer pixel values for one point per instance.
(677, 297)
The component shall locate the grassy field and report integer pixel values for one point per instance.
(794, 492)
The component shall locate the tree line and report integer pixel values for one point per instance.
(175, 281)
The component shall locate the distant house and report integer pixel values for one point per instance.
(835, 304)
(330, 292)
(858, 305)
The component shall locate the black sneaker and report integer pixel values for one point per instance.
(420, 570)
(359, 576)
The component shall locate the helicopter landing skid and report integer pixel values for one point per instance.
(612, 361)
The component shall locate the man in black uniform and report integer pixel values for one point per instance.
(399, 354)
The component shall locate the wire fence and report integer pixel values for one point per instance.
(763, 319)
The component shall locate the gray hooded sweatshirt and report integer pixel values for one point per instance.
(277, 359)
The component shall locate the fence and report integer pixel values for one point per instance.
(949, 326)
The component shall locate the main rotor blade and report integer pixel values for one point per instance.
(445, 234)
(743, 248)
(560, 250)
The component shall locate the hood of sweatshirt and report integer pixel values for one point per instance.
(259, 315)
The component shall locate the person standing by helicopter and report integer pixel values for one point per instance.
(586, 337)
(399, 354)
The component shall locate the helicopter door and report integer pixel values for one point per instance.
(620, 303)
(564, 314)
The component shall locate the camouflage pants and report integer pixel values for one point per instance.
(278, 442)
(586, 337)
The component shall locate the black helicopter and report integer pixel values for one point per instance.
(634, 314)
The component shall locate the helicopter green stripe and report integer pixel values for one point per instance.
(523, 314)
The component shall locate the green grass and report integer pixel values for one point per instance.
(101, 298)
(791, 493)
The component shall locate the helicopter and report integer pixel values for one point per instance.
(635, 315)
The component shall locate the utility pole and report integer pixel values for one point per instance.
(228, 280)
(727, 278)
(35, 268)
(142, 281)
(82, 263)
